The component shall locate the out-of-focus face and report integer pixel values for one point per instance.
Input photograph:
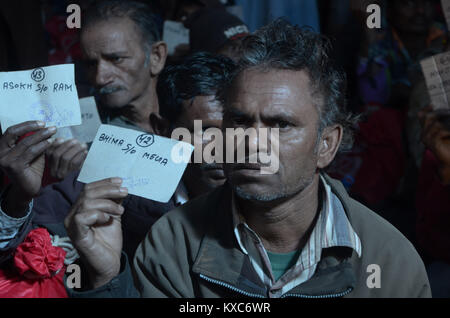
(412, 16)
(116, 61)
(201, 178)
(274, 99)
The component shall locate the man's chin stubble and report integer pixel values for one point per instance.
(270, 197)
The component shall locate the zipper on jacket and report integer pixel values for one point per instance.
(339, 295)
(236, 290)
(242, 292)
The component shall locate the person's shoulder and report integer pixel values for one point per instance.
(195, 214)
(179, 233)
(373, 230)
(402, 269)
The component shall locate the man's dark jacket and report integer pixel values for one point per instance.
(192, 252)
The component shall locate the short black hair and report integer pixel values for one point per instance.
(201, 74)
(283, 46)
(140, 13)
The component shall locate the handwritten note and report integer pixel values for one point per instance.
(151, 166)
(48, 94)
(437, 76)
(174, 34)
(90, 123)
(446, 8)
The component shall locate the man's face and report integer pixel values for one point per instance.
(115, 59)
(203, 177)
(274, 99)
(412, 16)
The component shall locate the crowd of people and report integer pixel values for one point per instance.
(364, 157)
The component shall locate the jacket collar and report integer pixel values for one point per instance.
(221, 260)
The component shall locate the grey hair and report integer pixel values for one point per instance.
(139, 13)
(283, 46)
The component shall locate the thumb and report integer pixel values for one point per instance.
(80, 224)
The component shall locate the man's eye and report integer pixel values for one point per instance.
(239, 121)
(116, 59)
(283, 124)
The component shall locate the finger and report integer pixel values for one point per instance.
(108, 181)
(55, 156)
(55, 143)
(104, 205)
(67, 157)
(106, 192)
(21, 129)
(77, 162)
(32, 153)
(79, 224)
(119, 201)
(9, 142)
(41, 135)
(50, 156)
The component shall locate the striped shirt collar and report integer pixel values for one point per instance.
(332, 229)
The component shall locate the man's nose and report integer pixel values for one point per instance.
(103, 74)
(259, 140)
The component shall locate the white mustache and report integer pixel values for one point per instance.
(109, 90)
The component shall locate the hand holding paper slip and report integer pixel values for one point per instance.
(150, 166)
(46, 94)
(437, 76)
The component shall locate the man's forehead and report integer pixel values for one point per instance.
(272, 91)
(116, 34)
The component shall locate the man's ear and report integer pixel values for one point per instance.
(329, 145)
(161, 126)
(158, 56)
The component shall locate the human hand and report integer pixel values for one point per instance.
(65, 157)
(24, 162)
(94, 226)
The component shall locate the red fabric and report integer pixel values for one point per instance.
(433, 209)
(373, 169)
(383, 161)
(38, 269)
(64, 41)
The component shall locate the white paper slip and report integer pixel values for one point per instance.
(151, 166)
(174, 34)
(446, 8)
(90, 123)
(436, 70)
(48, 94)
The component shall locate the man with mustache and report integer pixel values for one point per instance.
(294, 233)
(180, 105)
(123, 55)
